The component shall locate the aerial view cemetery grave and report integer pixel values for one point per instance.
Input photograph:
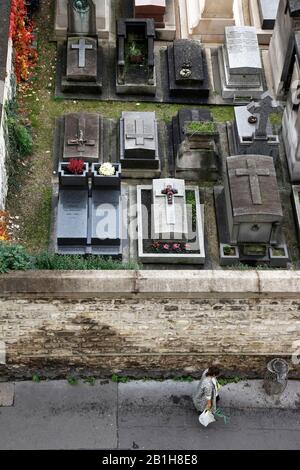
(164, 133)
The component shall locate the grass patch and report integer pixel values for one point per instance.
(51, 261)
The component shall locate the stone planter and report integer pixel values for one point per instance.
(106, 181)
(68, 179)
(279, 256)
(229, 259)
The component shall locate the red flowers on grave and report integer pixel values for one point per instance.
(21, 33)
(163, 247)
(75, 167)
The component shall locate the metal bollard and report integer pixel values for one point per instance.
(276, 377)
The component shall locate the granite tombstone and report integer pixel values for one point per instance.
(252, 131)
(139, 143)
(187, 69)
(249, 211)
(82, 136)
(240, 64)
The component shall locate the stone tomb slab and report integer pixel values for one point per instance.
(169, 209)
(243, 136)
(139, 141)
(82, 59)
(187, 68)
(72, 218)
(81, 136)
(106, 218)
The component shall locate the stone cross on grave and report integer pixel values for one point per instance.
(253, 172)
(170, 192)
(140, 135)
(80, 141)
(266, 106)
(82, 46)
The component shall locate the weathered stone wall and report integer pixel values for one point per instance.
(6, 92)
(148, 323)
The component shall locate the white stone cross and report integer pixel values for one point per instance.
(253, 172)
(82, 46)
(139, 134)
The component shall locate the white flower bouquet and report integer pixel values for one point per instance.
(107, 169)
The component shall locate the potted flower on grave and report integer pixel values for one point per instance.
(106, 174)
(135, 54)
(73, 173)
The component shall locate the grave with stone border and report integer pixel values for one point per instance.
(136, 72)
(249, 213)
(252, 130)
(240, 64)
(139, 149)
(170, 223)
(187, 69)
(89, 217)
(195, 142)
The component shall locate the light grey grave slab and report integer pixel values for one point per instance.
(106, 218)
(240, 63)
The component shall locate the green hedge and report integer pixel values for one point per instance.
(14, 257)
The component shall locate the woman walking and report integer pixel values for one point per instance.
(207, 393)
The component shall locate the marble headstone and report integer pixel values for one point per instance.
(169, 209)
(240, 63)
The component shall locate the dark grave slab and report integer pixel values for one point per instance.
(268, 12)
(187, 68)
(81, 136)
(106, 217)
(82, 59)
(139, 141)
(72, 217)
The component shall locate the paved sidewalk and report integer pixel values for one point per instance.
(143, 415)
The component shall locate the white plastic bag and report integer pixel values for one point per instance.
(206, 418)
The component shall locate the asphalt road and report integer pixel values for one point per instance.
(144, 415)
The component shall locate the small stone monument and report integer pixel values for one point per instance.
(249, 212)
(101, 10)
(139, 151)
(187, 69)
(282, 46)
(253, 132)
(154, 9)
(240, 64)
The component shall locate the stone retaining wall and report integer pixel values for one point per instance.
(148, 322)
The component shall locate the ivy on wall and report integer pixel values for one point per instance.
(21, 33)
